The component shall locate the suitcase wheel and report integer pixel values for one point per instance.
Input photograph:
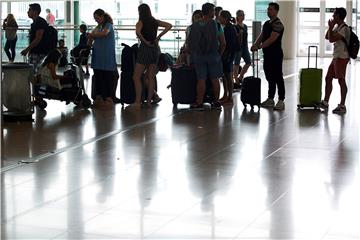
(244, 104)
(86, 102)
(252, 107)
(41, 103)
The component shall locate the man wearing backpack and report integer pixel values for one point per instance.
(37, 49)
(206, 44)
(337, 31)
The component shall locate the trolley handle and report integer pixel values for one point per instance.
(257, 64)
(316, 55)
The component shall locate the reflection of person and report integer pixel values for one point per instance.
(149, 51)
(337, 69)
(103, 59)
(10, 26)
(270, 41)
(50, 18)
(36, 49)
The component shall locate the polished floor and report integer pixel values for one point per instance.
(161, 173)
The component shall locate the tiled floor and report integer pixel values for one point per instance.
(161, 173)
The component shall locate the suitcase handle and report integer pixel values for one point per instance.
(253, 63)
(316, 55)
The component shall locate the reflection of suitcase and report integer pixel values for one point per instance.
(310, 84)
(251, 87)
(183, 84)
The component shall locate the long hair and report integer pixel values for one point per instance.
(227, 16)
(52, 57)
(197, 12)
(145, 16)
(10, 19)
(107, 17)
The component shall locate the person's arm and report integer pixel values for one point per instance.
(333, 36)
(270, 40)
(39, 35)
(167, 26)
(101, 34)
(222, 44)
(138, 28)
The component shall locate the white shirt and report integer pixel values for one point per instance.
(47, 79)
(340, 49)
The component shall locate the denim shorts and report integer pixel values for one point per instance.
(245, 54)
(208, 66)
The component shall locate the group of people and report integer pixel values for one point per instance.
(229, 44)
(219, 58)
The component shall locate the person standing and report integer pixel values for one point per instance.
(337, 32)
(37, 49)
(228, 56)
(242, 31)
(148, 52)
(270, 41)
(10, 26)
(50, 18)
(206, 44)
(103, 60)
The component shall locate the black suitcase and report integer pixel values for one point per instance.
(183, 84)
(251, 87)
(127, 88)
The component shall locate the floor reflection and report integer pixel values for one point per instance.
(164, 173)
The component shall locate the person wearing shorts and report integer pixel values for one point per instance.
(209, 65)
(337, 31)
(242, 31)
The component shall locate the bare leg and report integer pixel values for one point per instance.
(343, 90)
(200, 91)
(151, 84)
(243, 71)
(328, 88)
(139, 69)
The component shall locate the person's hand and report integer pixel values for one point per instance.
(254, 48)
(24, 52)
(331, 23)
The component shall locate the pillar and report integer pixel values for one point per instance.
(288, 16)
(77, 23)
(349, 10)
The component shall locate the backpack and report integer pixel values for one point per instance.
(202, 38)
(51, 38)
(353, 46)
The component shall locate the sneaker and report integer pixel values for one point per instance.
(216, 105)
(280, 105)
(324, 104)
(237, 86)
(268, 103)
(156, 100)
(340, 109)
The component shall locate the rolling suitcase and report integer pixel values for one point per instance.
(251, 87)
(183, 84)
(310, 84)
